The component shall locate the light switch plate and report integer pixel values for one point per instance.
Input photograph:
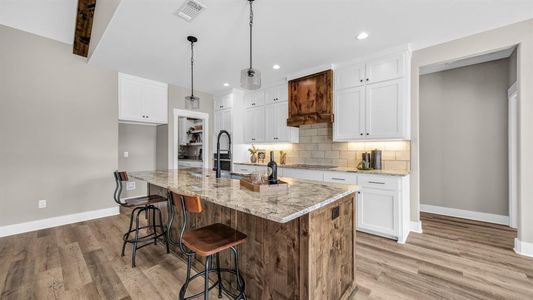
(126, 154)
(42, 203)
(131, 185)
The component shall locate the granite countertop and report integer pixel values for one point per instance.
(334, 168)
(302, 196)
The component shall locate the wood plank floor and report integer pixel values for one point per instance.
(452, 259)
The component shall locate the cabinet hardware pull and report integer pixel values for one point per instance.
(361, 133)
(361, 80)
(367, 133)
(367, 79)
(341, 179)
(376, 182)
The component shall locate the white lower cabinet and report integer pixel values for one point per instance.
(382, 203)
(189, 164)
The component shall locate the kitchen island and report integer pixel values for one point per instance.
(301, 242)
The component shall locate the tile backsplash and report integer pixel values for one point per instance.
(316, 147)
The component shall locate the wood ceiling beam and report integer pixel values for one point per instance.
(84, 25)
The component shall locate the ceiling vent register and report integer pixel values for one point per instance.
(190, 10)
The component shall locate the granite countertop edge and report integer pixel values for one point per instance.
(335, 169)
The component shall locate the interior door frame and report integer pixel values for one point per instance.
(173, 163)
(512, 96)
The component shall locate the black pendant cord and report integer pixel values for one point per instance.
(251, 24)
(192, 70)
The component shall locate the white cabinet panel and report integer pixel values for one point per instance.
(303, 174)
(223, 121)
(340, 177)
(348, 107)
(224, 101)
(277, 93)
(254, 129)
(253, 99)
(142, 100)
(386, 68)
(377, 211)
(384, 109)
(349, 76)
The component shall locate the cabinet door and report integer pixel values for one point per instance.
(303, 174)
(377, 212)
(271, 95)
(222, 122)
(282, 131)
(271, 123)
(254, 129)
(254, 99)
(155, 103)
(224, 102)
(348, 107)
(386, 68)
(349, 76)
(384, 110)
(130, 100)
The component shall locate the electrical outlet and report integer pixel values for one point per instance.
(42, 203)
(131, 185)
(126, 154)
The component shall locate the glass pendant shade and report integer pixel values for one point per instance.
(250, 79)
(192, 102)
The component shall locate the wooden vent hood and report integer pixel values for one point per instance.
(310, 99)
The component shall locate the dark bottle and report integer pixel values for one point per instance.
(272, 168)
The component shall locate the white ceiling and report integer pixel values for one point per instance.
(147, 39)
(54, 19)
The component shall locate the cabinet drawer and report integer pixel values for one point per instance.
(303, 174)
(379, 182)
(340, 177)
(243, 169)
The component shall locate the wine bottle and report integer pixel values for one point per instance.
(272, 170)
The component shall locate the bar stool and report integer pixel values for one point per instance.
(140, 205)
(207, 242)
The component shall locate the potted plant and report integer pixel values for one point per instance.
(253, 154)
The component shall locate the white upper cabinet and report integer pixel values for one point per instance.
(142, 100)
(276, 129)
(371, 99)
(384, 109)
(224, 101)
(349, 76)
(349, 110)
(223, 121)
(256, 98)
(254, 125)
(385, 68)
(277, 93)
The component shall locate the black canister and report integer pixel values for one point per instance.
(375, 160)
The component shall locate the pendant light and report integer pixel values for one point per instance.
(250, 77)
(192, 102)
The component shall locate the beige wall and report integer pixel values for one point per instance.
(176, 99)
(140, 141)
(58, 130)
(517, 34)
(513, 61)
(463, 138)
(162, 147)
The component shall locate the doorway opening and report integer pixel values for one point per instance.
(190, 142)
(468, 138)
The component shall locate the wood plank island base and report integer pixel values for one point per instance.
(301, 242)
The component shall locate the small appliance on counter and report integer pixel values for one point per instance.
(375, 160)
(365, 163)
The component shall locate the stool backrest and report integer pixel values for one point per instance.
(188, 204)
(119, 178)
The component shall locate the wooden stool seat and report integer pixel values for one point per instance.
(212, 239)
(145, 200)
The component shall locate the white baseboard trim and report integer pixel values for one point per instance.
(416, 226)
(523, 248)
(465, 214)
(57, 221)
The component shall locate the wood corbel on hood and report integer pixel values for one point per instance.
(311, 99)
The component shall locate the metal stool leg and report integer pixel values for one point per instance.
(238, 275)
(127, 235)
(134, 250)
(154, 227)
(164, 229)
(219, 275)
(183, 289)
(206, 278)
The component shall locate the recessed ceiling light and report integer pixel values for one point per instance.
(226, 84)
(276, 67)
(362, 36)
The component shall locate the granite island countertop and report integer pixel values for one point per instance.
(334, 168)
(302, 196)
